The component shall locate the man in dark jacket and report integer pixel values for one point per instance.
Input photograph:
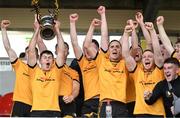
(171, 70)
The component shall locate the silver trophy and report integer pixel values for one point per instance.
(47, 21)
(47, 24)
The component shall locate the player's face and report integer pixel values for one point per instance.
(114, 51)
(46, 62)
(164, 52)
(177, 49)
(137, 54)
(170, 71)
(148, 60)
(66, 51)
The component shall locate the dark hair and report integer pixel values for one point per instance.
(46, 52)
(172, 60)
(178, 41)
(138, 46)
(146, 50)
(65, 43)
(114, 41)
(22, 55)
(95, 42)
(35, 49)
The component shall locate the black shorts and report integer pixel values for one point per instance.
(148, 116)
(45, 113)
(67, 109)
(130, 107)
(90, 106)
(21, 109)
(119, 109)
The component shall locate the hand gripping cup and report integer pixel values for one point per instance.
(47, 23)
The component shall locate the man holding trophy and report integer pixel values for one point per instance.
(45, 78)
(46, 75)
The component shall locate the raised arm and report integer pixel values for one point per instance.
(91, 50)
(159, 60)
(40, 42)
(41, 45)
(134, 38)
(130, 62)
(163, 36)
(11, 53)
(139, 19)
(60, 42)
(77, 49)
(104, 28)
(32, 59)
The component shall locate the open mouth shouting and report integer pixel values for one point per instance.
(114, 53)
(168, 76)
(137, 56)
(147, 64)
(47, 65)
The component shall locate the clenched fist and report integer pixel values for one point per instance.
(73, 17)
(5, 23)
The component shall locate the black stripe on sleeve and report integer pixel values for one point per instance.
(13, 62)
(173, 53)
(104, 51)
(32, 66)
(133, 70)
(59, 66)
(96, 55)
(76, 80)
(80, 58)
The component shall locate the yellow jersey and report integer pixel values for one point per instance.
(90, 77)
(22, 90)
(45, 88)
(112, 77)
(66, 82)
(146, 81)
